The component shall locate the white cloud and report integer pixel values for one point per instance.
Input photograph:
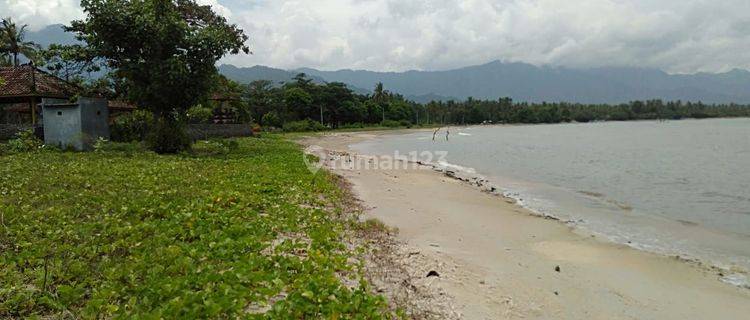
(40, 13)
(217, 7)
(674, 35)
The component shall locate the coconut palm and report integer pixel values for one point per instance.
(12, 42)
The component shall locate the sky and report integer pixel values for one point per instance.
(677, 36)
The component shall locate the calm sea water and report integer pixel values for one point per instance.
(676, 187)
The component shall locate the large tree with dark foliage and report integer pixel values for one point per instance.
(164, 51)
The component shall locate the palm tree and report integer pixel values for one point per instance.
(12, 42)
(380, 96)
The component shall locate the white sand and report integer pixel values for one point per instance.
(500, 259)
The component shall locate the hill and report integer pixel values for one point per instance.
(526, 82)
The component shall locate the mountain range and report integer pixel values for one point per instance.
(526, 82)
(520, 81)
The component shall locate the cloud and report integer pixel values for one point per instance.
(673, 35)
(40, 13)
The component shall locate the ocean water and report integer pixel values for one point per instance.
(674, 188)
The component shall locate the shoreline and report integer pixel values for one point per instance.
(728, 271)
(509, 263)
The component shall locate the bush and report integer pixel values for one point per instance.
(168, 136)
(583, 116)
(131, 127)
(271, 119)
(199, 114)
(25, 141)
(390, 123)
(304, 126)
(356, 125)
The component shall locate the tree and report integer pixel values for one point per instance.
(298, 102)
(260, 97)
(69, 61)
(12, 42)
(164, 51)
(336, 98)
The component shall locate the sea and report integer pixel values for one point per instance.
(677, 188)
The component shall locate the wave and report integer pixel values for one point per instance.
(730, 274)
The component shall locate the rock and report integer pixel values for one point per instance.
(433, 273)
(557, 268)
(557, 293)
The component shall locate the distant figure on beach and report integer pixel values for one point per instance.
(447, 133)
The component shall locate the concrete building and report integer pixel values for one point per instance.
(75, 125)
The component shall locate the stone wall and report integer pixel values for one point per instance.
(8, 131)
(207, 131)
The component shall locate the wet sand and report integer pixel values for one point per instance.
(500, 261)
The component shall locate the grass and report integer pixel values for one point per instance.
(243, 232)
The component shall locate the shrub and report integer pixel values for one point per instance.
(25, 141)
(304, 126)
(199, 114)
(404, 123)
(271, 119)
(131, 127)
(390, 123)
(356, 125)
(168, 136)
(583, 116)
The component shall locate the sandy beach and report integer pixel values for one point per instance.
(496, 260)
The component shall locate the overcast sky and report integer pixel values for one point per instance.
(678, 36)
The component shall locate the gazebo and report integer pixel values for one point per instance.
(25, 85)
(223, 113)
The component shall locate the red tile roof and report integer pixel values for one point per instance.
(28, 81)
(224, 97)
(120, 105)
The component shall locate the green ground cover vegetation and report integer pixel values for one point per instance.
(233, 229)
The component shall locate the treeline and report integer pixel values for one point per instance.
(305, 105)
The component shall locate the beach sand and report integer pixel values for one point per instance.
(496, 260)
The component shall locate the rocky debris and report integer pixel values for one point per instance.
(433, 273)
(557, 268)
(397, 271)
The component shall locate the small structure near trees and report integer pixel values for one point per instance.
(75, 125)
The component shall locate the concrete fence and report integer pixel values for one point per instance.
(196, 131)
(207, 131)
